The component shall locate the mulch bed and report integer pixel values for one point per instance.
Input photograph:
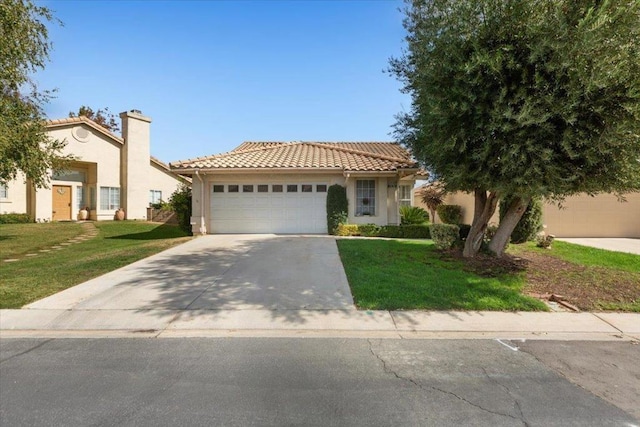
(585, 287)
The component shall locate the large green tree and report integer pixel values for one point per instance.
(525, 98)
(24, 49)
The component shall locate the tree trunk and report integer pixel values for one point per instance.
(485, 207)
(517, 208)
(433, 215)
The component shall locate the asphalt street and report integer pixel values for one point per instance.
(309, 381)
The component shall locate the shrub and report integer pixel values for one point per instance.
(450, 214)
(410, 215)
(444, 236)
(161, 205)
(369, 230)
(531, 222)
(489, 232)
(347, 230)
(464, 231)
(415, 231)
(180, 202)
(15, 218)
(391, 231)
(545, 241)
(337, 207)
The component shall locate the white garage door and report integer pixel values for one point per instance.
(268, 207)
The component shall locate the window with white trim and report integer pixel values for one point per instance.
(404, 195)
(109, 198)
(4, 193)
(365, 197)
(155, 196)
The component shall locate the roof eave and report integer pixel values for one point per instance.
(210, 171)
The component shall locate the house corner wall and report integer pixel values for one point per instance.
(199, 205)
(134, 186)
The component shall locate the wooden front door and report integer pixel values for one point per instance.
(61, 202)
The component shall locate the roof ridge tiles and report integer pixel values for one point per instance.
(360, 152)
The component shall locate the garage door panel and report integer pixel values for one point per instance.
(271, 212)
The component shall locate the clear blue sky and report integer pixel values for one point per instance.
(212, 74)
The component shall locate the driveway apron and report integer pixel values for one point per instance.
(221, 272)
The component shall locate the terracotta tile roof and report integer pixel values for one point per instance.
(346, 156)
(81, 119)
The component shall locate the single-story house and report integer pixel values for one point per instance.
(582, 215)
(110, 172)
(278, 187)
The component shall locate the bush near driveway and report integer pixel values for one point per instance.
(407, 231)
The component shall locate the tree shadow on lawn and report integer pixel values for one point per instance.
(164, 231)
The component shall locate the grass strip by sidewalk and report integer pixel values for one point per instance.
(410, 274)
(590, 278)
(117, 244)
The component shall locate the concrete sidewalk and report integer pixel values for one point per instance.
(318, 323)
(631, 246)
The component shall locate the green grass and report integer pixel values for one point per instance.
(19, 239)
(406, 274)
(592, 257)
(118, 243)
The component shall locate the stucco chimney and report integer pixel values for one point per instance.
(134, 191)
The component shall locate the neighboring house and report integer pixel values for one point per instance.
(580, 216)
(110, 172)
(277, 187)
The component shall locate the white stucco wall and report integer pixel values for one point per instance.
(96, 149)
(160, 179)
(16, 200)
(103, 161)
(386, 199)
(136, 132)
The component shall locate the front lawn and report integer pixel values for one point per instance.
(19, 239)
(117, 244)
(411, 274)
(406, 274)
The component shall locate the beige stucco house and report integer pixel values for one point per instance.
(580, 216)
(277, 187)
(111, 172)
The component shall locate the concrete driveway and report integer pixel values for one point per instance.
(631, 246)
(221, 272)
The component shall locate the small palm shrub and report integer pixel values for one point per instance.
(432, 195)
(413, 215)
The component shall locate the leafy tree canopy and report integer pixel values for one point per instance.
(102, 117)
(536, 98)
(24, 49)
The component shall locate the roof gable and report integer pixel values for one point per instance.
(72, 121)
(346, 156)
